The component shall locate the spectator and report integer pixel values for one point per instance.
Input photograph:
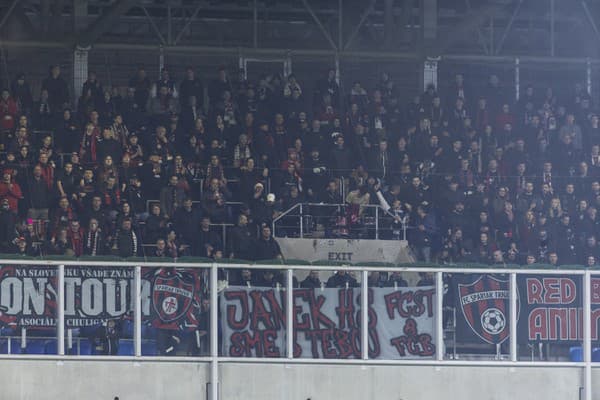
(126, 243)
(266, 247)
(207, 240)
(58, 92)
(241, 244)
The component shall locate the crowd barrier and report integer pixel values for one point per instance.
(423, 314)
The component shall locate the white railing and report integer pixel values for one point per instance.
(215, 358)
(369, 220)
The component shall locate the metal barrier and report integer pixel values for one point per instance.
(332, 221)
(438, 272)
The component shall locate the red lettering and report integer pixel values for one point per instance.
(552, 291)
(242, 297)
(534, 291)
(557, 319)
(538, 324)
(568, 290)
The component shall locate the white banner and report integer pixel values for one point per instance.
(327, 322)
(347, 250)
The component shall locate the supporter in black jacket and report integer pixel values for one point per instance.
(127, 243)
(266, 247)
(241, 243)
(311, 281)
(341, 279)
(186, 221)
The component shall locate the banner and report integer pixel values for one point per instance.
(171, 297)
(346, 250)
(482, 308)
(327, 322)
(549, 308)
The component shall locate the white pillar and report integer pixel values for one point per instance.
(60, 308)
(588, 64)
(430, 72)
(517, 79)
(80, 69)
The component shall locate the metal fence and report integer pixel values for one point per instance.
(213, 281)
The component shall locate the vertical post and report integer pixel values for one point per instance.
(137, 311)
(513, 316)
(337, 68)
(169, 25)
(301, 222)
(340, 25)
(588, 67)
(289, 321)
(376, 223)
(552, 19)
(242, 65)
(587, 335)
(60, 308)
(214, 334)
(439, 316)
(161, 60)
(492, 35)
(80, 69)
(255, 24)
(430, 72)
(364, 315)
(517, 79)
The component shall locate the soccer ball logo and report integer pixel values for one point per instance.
(493, 321)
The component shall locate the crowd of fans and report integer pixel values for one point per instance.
(150, 170)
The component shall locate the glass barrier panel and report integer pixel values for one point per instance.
(550, 317)
(252, 312)
(476, 316)
(175, 311)
(28, 298)
(327, 315)
(99, 310)
(402, 315)
(595, 317)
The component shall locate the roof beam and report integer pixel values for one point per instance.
(104, 22)
(472, 20)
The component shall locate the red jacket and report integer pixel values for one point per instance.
(8, 112)
(12, 192)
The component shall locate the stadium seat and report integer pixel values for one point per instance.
(85, 348)
(4, 345)
(596, 354)
(576, 354)
(34, 346)
(126, 347)
(127, 329)
(149, 348)
(50, 347)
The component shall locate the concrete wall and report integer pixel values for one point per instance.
(103, 380)
(300, 382)
(100, 380)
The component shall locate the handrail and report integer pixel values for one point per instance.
(213, 285)
(302, 206)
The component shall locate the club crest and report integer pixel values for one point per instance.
(485, 306)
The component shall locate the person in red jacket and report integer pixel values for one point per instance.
(8, 111)
(10, 191)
